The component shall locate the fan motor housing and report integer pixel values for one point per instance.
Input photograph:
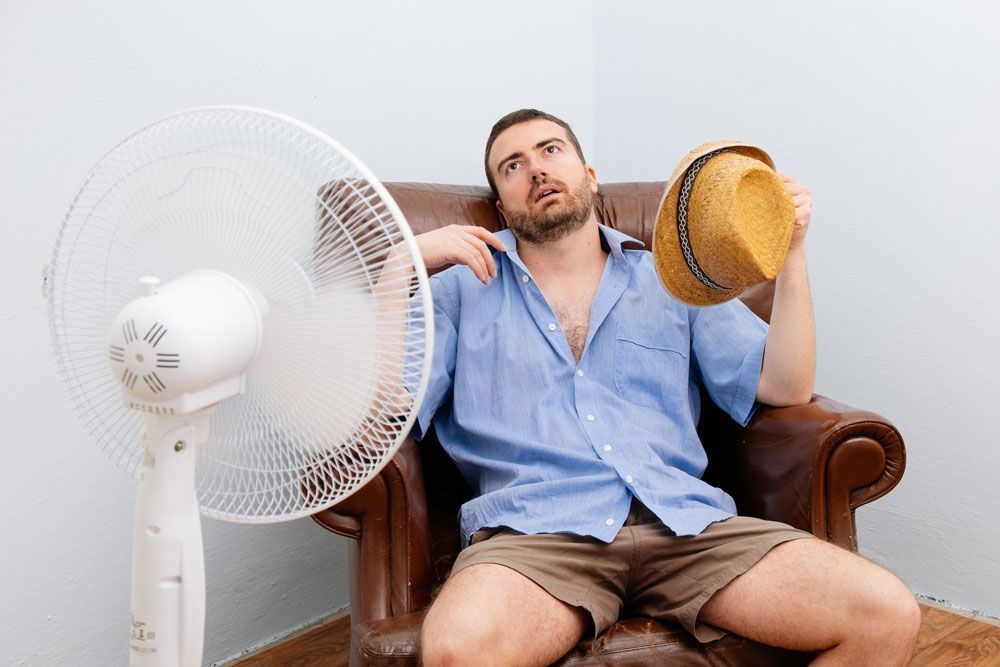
(186, 344)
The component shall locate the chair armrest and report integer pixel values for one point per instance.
(390, 557)
(809, 466)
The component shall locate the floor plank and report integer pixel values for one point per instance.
(970, 643)
(935, 625)
(327, 645)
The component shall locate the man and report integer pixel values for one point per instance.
(566, 388)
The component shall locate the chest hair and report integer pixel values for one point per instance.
(574, 316)
(571, 303)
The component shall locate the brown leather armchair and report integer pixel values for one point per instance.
(809, 466)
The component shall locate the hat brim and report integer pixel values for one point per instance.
(668, 258)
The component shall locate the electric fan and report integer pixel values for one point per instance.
(243, 320)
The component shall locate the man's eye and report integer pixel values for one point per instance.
(551, 149)
(512, 166)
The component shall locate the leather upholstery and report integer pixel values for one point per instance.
(810, 466)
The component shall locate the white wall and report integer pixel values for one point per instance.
(411, 88)
(888, 111)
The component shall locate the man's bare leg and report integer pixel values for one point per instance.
(489, 614)
(813, 596)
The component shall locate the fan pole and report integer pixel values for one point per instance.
(168, 565)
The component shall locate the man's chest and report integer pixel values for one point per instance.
(574, 317)
(571, 304)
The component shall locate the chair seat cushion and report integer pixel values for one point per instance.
(634, 641)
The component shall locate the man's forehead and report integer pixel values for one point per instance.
(523, 136)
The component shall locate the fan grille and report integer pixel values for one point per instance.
(303, 225)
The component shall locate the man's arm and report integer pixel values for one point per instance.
(789, 369)
(454, 244)
(461, 244)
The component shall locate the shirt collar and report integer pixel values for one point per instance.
(616, 238)
(613, 237)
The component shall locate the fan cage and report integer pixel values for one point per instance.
(298, 220)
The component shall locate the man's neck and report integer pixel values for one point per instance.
(579, 253)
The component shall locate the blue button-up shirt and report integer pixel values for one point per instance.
(551, 445)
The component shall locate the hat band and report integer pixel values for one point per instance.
(682, 214)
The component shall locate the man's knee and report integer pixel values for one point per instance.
(458, 629)
(445, 640)
(903, 615)
(443, 649)
(890, 613)
(489, 613)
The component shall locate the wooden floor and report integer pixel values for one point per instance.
(946, 639)
(950, 639)
(326, 645)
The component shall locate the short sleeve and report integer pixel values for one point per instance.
(727, 342)
(442, 373)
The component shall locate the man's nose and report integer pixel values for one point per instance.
(537, 170)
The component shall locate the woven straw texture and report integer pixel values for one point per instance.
(739, 222)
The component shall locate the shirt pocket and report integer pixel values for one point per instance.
(651, 368)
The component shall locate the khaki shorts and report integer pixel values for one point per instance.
(645, 571)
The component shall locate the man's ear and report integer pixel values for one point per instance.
(500, 211)
(592, 177)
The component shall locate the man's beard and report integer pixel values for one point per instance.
(555, 221)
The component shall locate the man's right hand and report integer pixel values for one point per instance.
(460, 244)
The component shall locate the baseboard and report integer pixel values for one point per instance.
(967, 613)
(284, 638)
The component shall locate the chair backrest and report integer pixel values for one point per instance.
(627, 207)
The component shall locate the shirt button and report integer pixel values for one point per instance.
(590, 418)
(628, 478)
(524, 279)
(552, 327)
(610, 522)
(580, 373)
(607, 448)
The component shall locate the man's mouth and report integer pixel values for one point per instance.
(546, 191)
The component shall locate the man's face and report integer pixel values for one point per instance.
(545, 189)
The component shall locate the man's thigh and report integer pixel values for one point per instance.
(675, 576)
(804, 594)
(491, 614)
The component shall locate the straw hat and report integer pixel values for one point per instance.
(735, 218)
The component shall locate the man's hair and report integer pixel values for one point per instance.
(515, 118)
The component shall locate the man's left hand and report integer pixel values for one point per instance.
(802, 198)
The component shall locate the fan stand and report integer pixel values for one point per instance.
(168, 564)
(254, 219)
